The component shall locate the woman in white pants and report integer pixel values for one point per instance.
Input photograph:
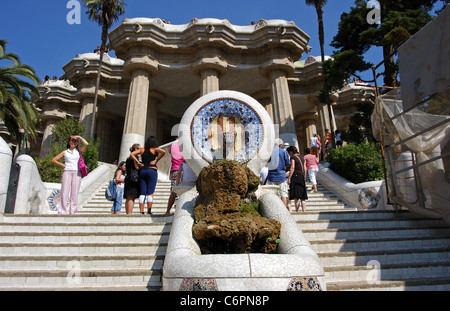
(312, 165)
(71, 178)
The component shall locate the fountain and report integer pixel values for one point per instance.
(223, 132)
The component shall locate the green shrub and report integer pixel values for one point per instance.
(48, 171)
(62, 131)
(357, 163)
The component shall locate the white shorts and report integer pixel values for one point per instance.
(312, 175)
(283, 192)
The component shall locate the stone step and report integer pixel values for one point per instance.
(376, 245)
(90, 219)
(385, 257)
(412, 284)
(353, 215)
(40, 279)
(390, 272)
(154, 286)
(369, 224)
(82, 237)
(91, 227)
(81, 248)
(124, 261)
(333, 234)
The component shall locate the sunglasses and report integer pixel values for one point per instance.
(73, 141)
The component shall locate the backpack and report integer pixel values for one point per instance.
(111, 190)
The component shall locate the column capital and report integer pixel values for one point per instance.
(89, 92)
(143, 62)
(212, 63)
(50, 115)
(274, 64)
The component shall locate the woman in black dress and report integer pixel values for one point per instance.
(296, 179)
(131, 190)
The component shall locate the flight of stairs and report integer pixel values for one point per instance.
(376, 250)
(94, 250)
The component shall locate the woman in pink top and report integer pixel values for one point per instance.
(312, 165)
(177, 160)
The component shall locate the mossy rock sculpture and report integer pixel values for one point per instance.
(226, 216)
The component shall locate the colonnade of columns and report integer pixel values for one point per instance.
(141, 113)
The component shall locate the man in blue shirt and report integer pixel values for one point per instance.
(278, 163)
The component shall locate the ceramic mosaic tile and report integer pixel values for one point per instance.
(199, 285)
(369, 198)
(227, 129)
(54, 199)
(301, 284)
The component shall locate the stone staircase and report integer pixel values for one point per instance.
(376, 250)
(94, 250)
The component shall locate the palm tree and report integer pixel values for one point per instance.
(319, 4)
(16, 109)
(105, 13)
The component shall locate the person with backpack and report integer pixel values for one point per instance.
(120, 179)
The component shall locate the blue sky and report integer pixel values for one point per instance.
(38, 31)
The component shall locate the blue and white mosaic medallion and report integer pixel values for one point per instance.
(304, 284)
(227, 128)
(369, 198)
(202, 285)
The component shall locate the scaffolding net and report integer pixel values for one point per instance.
(417, 151)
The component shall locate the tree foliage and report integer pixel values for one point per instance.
(17, 86)
(62, 131)
(400, 19)
(360, 127)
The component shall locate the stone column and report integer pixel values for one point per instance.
(325, 119)
(152, 113)
(210, 81)
(265, 98)
(86, 94)
(50, 116)
(140, 69)
(105, 127)
(86, 113)
(210, 70)
(278, 70)
(310, 129)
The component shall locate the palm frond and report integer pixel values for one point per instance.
(16, 110)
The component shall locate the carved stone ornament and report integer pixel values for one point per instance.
(260, 24)
(281, 30)
(138, 28)
(210, 28)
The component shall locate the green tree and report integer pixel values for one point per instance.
(318, 5)
(16, 89)
(105, 13)
(400, 19)
(62, 131)
(65, 128)
(360, 127)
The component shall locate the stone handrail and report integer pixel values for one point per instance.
(368, 195)
(5, 162)
(165, 163)
(34, 193)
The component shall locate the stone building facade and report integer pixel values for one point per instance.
(161, 69)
